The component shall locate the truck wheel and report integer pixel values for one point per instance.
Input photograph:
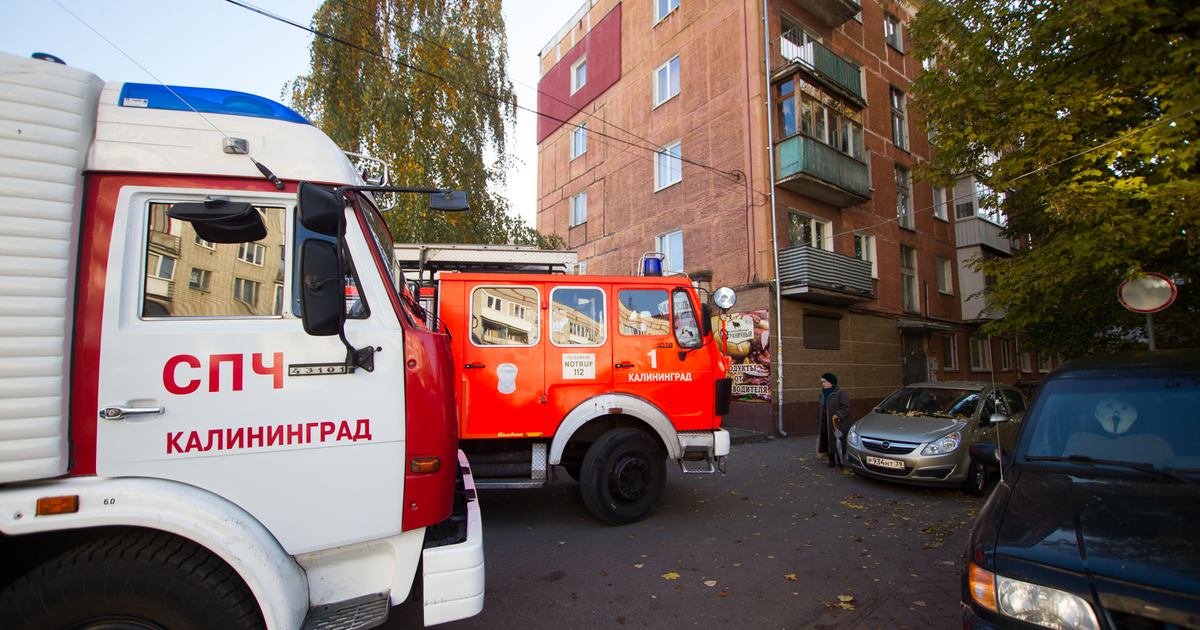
(142, 580)
(623, 477)
(976, 480)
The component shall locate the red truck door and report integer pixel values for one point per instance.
(657, 355)
(578, 352)
(503, 372)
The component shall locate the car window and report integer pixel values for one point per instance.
(932, 401)
(577, 316)
(1016, 402)
(504, 316)
(1136, 420)
(644, 312)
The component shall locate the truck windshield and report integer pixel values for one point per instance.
(1143, 420)
(381, 240)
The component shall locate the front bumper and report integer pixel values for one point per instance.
(454, 573)
(935, 470)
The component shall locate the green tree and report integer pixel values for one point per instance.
(1092, 107)
(422, 85)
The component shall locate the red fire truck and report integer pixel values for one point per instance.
(607, 376)
(218, 409)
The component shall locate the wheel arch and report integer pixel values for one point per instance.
(642, 411)
(241, 541)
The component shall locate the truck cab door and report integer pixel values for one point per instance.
(503, 373)
(579, 354)
(657, 355)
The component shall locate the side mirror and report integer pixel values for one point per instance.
(705, 319)
(987, 454)
(320, 208)
(322, 290)
(219, 220)
(449, 201)
(996, 418)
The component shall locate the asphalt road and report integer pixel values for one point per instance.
(780, 541)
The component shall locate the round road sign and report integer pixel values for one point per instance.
(1149, 294)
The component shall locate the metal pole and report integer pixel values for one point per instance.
(1150, 329)
(778, 326)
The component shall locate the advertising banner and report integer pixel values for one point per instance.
(747, 338)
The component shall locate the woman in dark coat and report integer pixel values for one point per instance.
(833, 414)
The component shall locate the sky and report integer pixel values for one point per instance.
(216, 44)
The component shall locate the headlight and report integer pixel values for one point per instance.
(943, 445)
(853, 437)
(1031, 603)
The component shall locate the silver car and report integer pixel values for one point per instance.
(920, 434)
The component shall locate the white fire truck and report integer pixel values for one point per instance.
(608, 377)
(217, 407)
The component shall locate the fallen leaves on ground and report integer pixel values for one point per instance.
(710, 583)
(791, 576)
(671, 576)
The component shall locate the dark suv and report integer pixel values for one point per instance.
(1096, 524)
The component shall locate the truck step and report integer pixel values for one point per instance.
(367, 611)
(698, 467)
(509, 483)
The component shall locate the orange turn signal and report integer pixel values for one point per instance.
(58, 505)
(424, 465)
(983, 587)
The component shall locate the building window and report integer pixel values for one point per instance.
(579, 141)
(864, 249)
(945, 276)
(899, 119)
(663, 8)
(823, 116)
(939, 203)
(579, 209)
(201, 279)
(671, 244)
(892, 32)
(806, 231)
(981, 354)
(950, 352)
(668, 166)
(578, 74)
(904, 213)
(252, 253)
(245, 291)
(580, 268)
(1043, 362)
(1005, 356)
(160, 266)
(908, 276)
(205, 244)
(1026, 362)
(666, 81)
(821, 331)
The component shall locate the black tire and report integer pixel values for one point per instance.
(976, 483)
(142, 580)
(623, 476)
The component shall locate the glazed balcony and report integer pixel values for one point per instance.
(816, 275)
(814, 169)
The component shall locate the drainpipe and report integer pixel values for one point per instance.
(774, 223)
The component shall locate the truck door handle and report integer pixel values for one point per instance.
(119, 413)
(624, 365)
(471, 366)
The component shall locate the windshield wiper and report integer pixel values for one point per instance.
(1177, 473)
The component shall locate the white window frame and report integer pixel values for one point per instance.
(579, 209)
(202, 286)
(252, 253)
(893, 32)
(671, 68)
(822, 232)
(945, 276)
(580, 268)
(662, 243)
(939, 204)
(578, 141)
(898, 101)
(904, 210)
(1044, 362)
(950, 353)
(981, 354)
(909, 280)
(1026, 361)
(205, 244)
(668, 162)
(239, 285)
(864, 244)
(670, 5)
(576, 85)
(1005, 356)
(155, 270)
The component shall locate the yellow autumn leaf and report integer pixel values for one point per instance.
(671, 576)
(846, 598)
(791, 576)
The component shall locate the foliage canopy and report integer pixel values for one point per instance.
(1092, 107)
(431, 98)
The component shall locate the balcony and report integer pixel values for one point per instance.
(814, 169)
(832, 12)
(975, 230)
(794, 48)
(815, 275)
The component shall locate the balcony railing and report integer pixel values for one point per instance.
(817, 275)
(832, 12)
(814, 169)
(824, 63)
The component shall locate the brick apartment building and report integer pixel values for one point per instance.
(665, 130)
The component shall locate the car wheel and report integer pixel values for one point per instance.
(976, 481)
(623, 476)
(138, 581)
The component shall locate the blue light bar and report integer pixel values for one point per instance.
(205, 101)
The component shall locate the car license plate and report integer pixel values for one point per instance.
(894, 464)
